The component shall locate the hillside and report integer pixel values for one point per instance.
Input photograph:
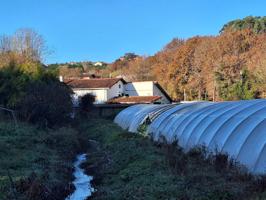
(228, 66)
(256, 24)
(77, 69)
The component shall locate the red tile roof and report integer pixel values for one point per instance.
(135, 99)
(93, 83)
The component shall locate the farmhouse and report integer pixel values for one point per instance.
(118, 91)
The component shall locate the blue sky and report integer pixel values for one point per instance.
(103, 30)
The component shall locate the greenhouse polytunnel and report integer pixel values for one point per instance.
(237, 128)
(132, 117)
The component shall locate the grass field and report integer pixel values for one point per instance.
(36, 164)
(130, 166)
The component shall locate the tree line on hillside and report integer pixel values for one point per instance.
(78, 69)
(256, 24)
(229, 66)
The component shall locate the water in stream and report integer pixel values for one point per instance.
(83, 188)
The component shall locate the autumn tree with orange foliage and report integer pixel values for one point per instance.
(229, 66)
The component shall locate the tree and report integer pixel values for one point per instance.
(70, 72)
(130, 56)
(46, 102)
(23, 47)
(86, 102)
(30, 44)
(5, 43)
(241, 88)
(173, 45)
(13, 83)
(256, 24)
(41, 99)
(139, 69)
(206, 67)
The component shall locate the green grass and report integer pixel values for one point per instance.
(130, 166)
(34, 163)
(136, 170)
(37, 164)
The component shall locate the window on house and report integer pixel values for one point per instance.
(119, 86)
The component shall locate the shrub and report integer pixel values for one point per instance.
(221, 161)
(12, 85)
(46, 103)
(38, 97)
(86, 102)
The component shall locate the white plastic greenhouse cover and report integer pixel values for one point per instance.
(237, 128)
(132, 117)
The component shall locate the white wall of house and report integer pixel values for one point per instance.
(116, 90)
(100, 94)
(144, 88)
(158, 92)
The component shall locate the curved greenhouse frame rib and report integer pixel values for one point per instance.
(132, 117)
(149, 113)
(123, 118)
(236, 128)
(161, 127)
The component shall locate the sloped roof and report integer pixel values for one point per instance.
(135, 99)
(94, 83)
